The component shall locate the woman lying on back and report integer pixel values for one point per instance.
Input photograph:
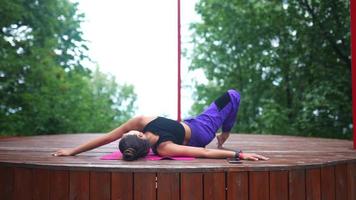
(168, 137)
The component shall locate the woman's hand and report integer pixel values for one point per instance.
(252, 156)
(64, 152)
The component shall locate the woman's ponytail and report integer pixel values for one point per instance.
(129, 154)
(133, 147)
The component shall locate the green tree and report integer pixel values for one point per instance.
(112, 104)
(44, 88)
(289, 59)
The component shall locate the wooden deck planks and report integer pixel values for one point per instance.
(237, 186)
(351, 175)
(122, 185)
(299, 168)
(214, 186)
(313, 184)
(259, 185)
(144, 186)
(59, 184)
(191, 186)
(341, 181)
(286, 152)
(100, 186)
(297, 183)
(278, 185)
(23, 187)
(79, 185)
(168, 186)
(6, 182)
(328, 183)
(41, 183)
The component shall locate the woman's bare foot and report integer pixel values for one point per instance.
(221, 139)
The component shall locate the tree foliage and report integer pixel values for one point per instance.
(44, 88)
(289, 59)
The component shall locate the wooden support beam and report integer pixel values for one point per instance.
(179, 61)
(353, 70)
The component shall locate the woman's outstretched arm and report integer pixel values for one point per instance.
(171, 149)
(135, 123)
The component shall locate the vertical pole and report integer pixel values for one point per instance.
(353, 65)
(179, 75)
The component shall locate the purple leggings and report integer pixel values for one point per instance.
(221, 113)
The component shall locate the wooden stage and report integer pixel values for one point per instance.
(299, 168)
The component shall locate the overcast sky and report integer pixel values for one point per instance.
(136, 41)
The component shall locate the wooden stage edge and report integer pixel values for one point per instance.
(299, 168)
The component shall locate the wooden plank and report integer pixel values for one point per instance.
(297, 185)
(6, 182)
(328, 183)
(23, 186)
(122, 185)
(214, 185)
(278, 182)
(341, 181)
(313, 184)
(59, 184)
(100, 185)
(351, 174)
(168, 186)
(191, 187)
(79, 185)
(237, 185)
(259, 185)
(144, 186)
(41, 184)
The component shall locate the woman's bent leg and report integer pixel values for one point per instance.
(221, 113)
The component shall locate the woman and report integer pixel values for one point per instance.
(167, 137)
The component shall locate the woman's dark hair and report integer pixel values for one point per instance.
(133, 147)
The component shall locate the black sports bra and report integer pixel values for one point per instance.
(167, 130)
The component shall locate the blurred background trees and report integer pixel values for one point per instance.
(44, 88)
(289, 59)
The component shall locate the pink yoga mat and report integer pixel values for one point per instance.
(151, 156)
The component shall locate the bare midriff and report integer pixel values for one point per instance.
(188, 133)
